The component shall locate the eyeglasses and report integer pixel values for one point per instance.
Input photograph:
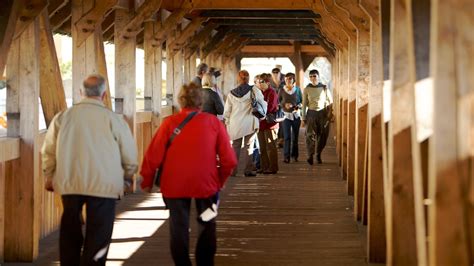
(261, 81)
(313, 76)
(276, 72)
(289, 78)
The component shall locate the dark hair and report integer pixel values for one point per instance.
(276, 69)
(190, 96)
(291, 75)
(202, 68)
(314, 71)
(215, 72)
(266, 77)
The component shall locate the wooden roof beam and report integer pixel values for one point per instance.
(226, 42)
(11, 11)
(144, 12)
(260, 14)
(231, 4)
(207, 47)
(236, 47)
(284, 49)
(60, 17)
(170, 23)
(89, 21)
(269, 22)
(56, 5)
(203, 34)
(29, 9)
(187, 32)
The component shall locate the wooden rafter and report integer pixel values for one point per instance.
(212, 42)
(226, 42)
(230, 4)
(28, 12)
(170, 24)
(144, 12)
(90, 20)
(187, 32)
(60, 17)
(11, 9)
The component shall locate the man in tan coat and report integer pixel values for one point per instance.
(87, 153)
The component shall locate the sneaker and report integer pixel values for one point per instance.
(251, 173)
(310, 160)
(318, 157)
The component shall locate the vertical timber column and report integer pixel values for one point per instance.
(345, 112)
(451, 165)
(169, 70)
(376, 246)
(21, 187)
(88, 55)
(153, 76)
(298, 62)
(125, 86)
(178, 72)
(408, 223)
(351, 124)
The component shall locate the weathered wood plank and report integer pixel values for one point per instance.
(452, 150)
(376, 233)
(53, 99)
(21, 188)
(10, 14)
(125, 86)
(143, 13)
(9, 149)
(408, 224)
(89, 16)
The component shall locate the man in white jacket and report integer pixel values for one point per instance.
(87, 153)
(242, 125)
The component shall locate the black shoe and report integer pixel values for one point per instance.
(310, 160)
(318, 157)
(251, 173)
(295, 158)
(287, 160)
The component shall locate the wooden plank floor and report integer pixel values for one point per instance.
(301, 216)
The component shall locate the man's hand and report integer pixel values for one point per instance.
(49, 185)
(303, 123)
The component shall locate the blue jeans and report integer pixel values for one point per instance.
(291, 129)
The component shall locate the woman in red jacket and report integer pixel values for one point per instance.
(190, 170)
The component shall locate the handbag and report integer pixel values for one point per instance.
(276, 117)
(176, 132)
(257, 108)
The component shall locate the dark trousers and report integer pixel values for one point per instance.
(179, 231)
(317, 130)
(100, 215)
(291, 130)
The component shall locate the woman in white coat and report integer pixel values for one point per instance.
(242, 126)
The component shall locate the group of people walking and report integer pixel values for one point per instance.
(89, 151)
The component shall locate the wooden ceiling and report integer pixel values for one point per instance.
(285, 23)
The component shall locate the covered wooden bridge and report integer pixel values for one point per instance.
(402, 75)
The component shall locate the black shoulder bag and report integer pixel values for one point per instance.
(176, 132)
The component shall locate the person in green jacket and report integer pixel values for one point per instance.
(317, 103)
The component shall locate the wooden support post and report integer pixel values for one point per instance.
(178, 75)
(362, 23)
(169, 71)
(11, 12)
(21, 188)
(408, 236)
(87, 45)
(298, 62)
(451, 155)
(376, 237)
(53, 99)
(345, 115)
(125, 86)
(351, 116)
(153, 76)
